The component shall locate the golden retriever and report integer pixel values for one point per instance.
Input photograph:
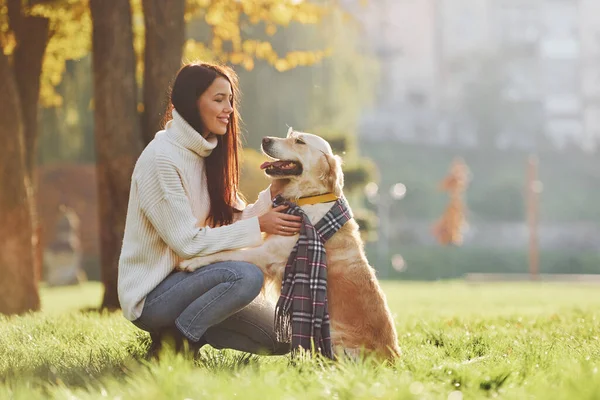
(360, 317)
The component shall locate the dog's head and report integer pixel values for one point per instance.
(306, 161)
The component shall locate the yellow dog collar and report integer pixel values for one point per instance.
(320, 198)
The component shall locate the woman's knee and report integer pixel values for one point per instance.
(252, 278)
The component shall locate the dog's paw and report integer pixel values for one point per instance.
(191, 265)
(351, 353)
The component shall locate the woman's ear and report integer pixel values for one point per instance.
(334, 176)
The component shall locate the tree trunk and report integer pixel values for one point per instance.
(18, 283)
(118, 139)
(165, 36)
(32, 36)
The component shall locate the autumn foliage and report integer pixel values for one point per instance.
(228, 20)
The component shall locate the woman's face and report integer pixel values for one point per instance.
(215, 107)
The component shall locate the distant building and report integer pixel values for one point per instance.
(547, 54)
(589, 37)
(560, 58)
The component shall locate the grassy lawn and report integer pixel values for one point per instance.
(460, 341)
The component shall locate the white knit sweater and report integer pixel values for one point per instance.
(167, 213)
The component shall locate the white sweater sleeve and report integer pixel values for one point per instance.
(168, 209)
(262, 205)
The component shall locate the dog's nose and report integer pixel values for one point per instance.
(267, 141)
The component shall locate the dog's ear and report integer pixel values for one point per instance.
(334, 176)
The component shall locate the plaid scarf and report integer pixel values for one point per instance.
(301, 312)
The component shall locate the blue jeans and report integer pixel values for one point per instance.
(218, 302)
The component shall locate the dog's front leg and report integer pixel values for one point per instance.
(248, 255)
(270, 257)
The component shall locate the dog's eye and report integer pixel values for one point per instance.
(300, 141)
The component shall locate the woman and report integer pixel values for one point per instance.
(184, 203)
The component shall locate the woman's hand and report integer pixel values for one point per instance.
(275, 222)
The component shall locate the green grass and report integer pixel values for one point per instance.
(71, 298)
(460, 341)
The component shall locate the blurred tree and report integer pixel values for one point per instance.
(164, 29)
(29, 34)
(449, 229)
(32, 34)
(224, 24)
(18, 282)
(67, 130)
(228, 27)
(117, 130)
(332, 93)
(345, 84)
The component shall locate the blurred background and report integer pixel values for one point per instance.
(469, 128)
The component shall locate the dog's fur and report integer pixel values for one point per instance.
(360, 317)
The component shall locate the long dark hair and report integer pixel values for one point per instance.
(222, 165)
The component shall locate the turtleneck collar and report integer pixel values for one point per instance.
(183, 134)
